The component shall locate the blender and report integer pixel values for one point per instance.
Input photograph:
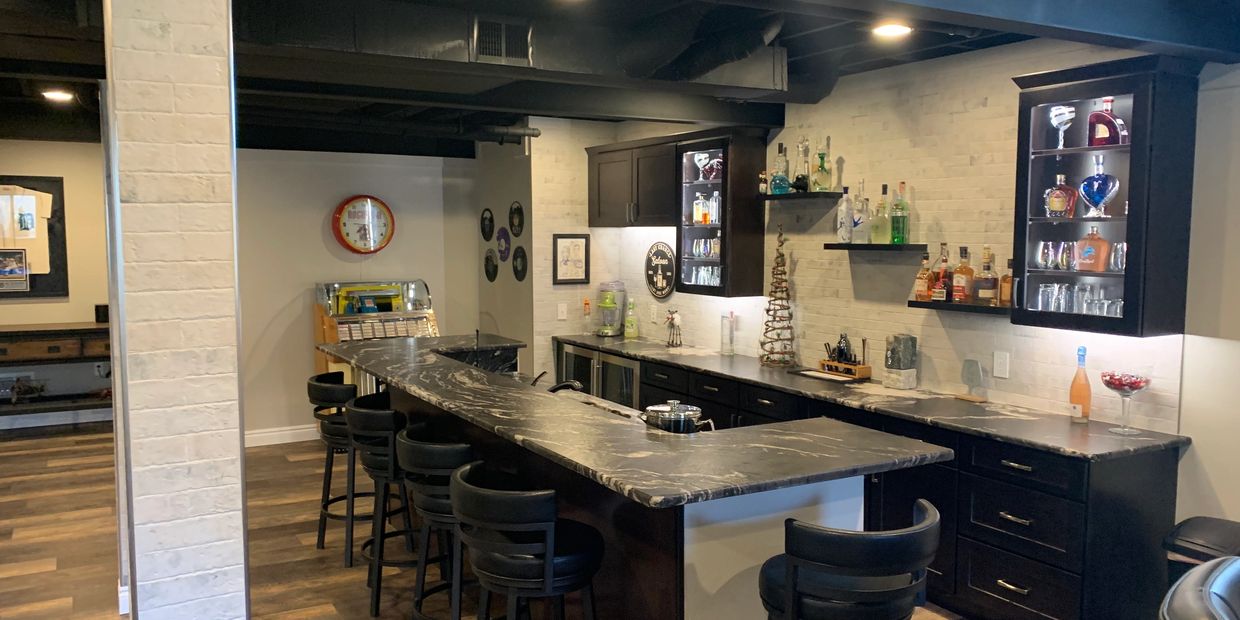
(611, 298)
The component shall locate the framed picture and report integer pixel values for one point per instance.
(570, 259)
(32, 221)
(14, 271)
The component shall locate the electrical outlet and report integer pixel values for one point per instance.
(653, 309)
(561, 312)
(1002, 365)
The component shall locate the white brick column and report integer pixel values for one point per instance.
(170, 115)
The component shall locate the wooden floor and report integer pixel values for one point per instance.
(58, 537)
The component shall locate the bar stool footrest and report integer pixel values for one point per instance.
(369, 543)
(340, 516)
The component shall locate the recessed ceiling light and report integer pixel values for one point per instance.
(57, 95)
(892, 30)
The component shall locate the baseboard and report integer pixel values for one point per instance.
(283, 434)
(55, 418)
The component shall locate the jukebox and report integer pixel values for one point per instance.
(346, 311)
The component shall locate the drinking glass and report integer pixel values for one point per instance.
(1046, 297)
(1046, 254)
(1061, 119)
(1082, 294)
(1119, 256)
(1065, 256)
(1063, 298)
(1116, 309)
(1126, 383)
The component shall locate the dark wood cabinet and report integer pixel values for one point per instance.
(1128, 278)
(611, 188)
(633, 186)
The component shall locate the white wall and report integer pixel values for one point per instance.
(284, 202)
(81, 165)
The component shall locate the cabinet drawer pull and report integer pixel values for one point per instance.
(1011, 588)
(1016, 466)
(710, 388)
(53, 348)
(660, 375)
(1007, 516)
(763, 401)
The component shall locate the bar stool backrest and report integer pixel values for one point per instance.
(500, 514)
(428, 460)
(871, 566)
(328, 390)
(373, 426)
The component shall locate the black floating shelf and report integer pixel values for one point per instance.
(1077, 220)
(1072, 150)
(801, 196)
(876, 247)
(950, 307)
(1075, 274)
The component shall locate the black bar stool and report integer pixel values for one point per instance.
(517, 545)
(830, 574)
(329, 393)
(373, 426)
(428, 456)
(1210, 591)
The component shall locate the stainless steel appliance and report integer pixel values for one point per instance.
(607, 376)
(675, 417)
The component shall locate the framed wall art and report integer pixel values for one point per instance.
(32, 220)
(570, 259)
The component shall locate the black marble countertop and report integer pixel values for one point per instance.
(1008, 423)
(608, 444)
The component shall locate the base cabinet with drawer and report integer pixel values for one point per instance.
(729, 404)
(1028, 533)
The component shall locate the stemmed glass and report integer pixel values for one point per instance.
(1061, 119)
(1125, 383)
(701, 158)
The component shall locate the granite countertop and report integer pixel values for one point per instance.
(1008, 423)
(608, 444)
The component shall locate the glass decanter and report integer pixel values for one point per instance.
(1059, 200)
(821, 181)
(1098, 190)
(1061, 117)
(1105, 128)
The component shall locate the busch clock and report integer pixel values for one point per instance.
(363, 224)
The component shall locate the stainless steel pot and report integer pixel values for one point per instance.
(675, 417)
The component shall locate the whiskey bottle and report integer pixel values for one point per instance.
(861, 216)
(1092, 252)
(941, 288)
(1005, 287)
(801, 182)
(880, 226)
(779, 176)
(962, 279)
(924, 280)
(1105, 128)
(1059, 200)
(986, 284)
(899, 217)
(844, 219)
(821, 179)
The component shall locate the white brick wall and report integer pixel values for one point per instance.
(169, 77)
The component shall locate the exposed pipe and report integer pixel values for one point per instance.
(660, 39)
(352, 122)
(706, 55)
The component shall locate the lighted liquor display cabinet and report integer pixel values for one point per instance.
(1104, 178)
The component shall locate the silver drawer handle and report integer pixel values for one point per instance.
(660, 375)
(1015, 465)
(1003, 514)
(763, 401)
(710, 388)
(1011, 588)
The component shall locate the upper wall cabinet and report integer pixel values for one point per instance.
(1104, 179)
(633, 186)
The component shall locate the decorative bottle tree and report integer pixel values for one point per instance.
(777, 336)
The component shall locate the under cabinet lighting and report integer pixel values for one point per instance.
(58, 96)
(892, 30)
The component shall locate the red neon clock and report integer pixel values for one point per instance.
(363, 224)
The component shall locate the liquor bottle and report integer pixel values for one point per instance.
(1059, 200)
(861, 216)
(779, 176)
(962, 279)
(941, 289)
(923, 281)
(1105, 128)
(844, 219)
(880, 226)
(1092, 252)
(713, 205)
(821, 179)
(801, 182)
(1098, 190)
(1005, 287)
(630, 322)
(762, 187)
(1078, 393)
(899, 217)
(986, 284)
(699, 207)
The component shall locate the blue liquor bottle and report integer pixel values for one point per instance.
(1098, 190)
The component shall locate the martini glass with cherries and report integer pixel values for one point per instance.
(1125, 383)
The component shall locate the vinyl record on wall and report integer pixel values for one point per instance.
(490, 265)
(520, 264)
(516, 219)
(504, 242)
(487, 224)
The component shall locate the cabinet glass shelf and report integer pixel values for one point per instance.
(1077, 150)
(1078, 220)
(1075, 274)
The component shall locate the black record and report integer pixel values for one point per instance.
(516, 218)
(487, 224)
(520, 263)
(490, 265)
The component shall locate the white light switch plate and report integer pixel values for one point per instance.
(1002, 366)
(561, 312)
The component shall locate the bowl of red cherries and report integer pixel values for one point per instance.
(1124, 383)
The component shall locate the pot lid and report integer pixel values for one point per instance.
(674, 409)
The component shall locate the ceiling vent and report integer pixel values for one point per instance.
(501, 41)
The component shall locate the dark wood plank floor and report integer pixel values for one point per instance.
(58, 537)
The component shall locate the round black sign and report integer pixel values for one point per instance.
(520, 264)
(487, 224)
(516, 218)
(490, 264)
(660, 270)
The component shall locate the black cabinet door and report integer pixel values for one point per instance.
(748, 418)
(611, 188)
(654, 186)
(936, 484)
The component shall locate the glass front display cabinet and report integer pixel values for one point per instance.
(1103, 196)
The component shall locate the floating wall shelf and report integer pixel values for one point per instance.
(950, 307)
(832, 196)
(876, 247)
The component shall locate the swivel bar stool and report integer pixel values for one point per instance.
(517, 545)
(373, 426)
(428, 457)
(328, 393)
(830, 574)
